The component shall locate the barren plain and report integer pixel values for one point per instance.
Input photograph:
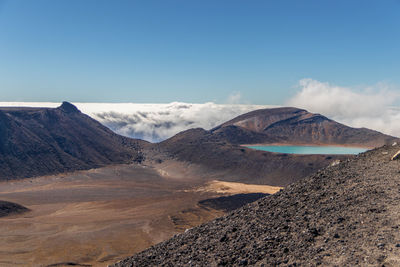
(100, 216)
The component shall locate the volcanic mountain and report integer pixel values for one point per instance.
(295, 126)
(344, 215)
(41, 141)
(220, 149)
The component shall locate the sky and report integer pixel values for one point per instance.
(249, 52)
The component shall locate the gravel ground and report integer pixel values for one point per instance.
(344, 215)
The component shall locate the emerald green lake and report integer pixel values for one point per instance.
(311, 149)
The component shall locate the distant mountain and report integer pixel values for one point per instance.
(41, 141)
(345, 215)
(219, 149)
(296, 126)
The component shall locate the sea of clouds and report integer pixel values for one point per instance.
(154, 122)
(374, 107)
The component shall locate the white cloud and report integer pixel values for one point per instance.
(370, 107)
(234, 98)
(155, 122)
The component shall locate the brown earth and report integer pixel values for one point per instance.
(99, 216)
(237, 188)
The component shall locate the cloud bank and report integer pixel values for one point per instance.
(372, 107)
(156, 122)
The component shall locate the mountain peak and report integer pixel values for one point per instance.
(68, 107)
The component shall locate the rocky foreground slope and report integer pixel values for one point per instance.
(41, 141)
(344, 215)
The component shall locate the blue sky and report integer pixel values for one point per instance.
(192, 51)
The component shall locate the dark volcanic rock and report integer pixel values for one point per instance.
(41, 141)
(229, 203)
(344, 215)
(9, 208)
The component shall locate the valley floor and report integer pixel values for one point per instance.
(100, 216)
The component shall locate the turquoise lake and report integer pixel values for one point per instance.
(311, 149)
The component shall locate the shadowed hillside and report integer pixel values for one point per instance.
(41, 141)
(229, 203)
(345, 215)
